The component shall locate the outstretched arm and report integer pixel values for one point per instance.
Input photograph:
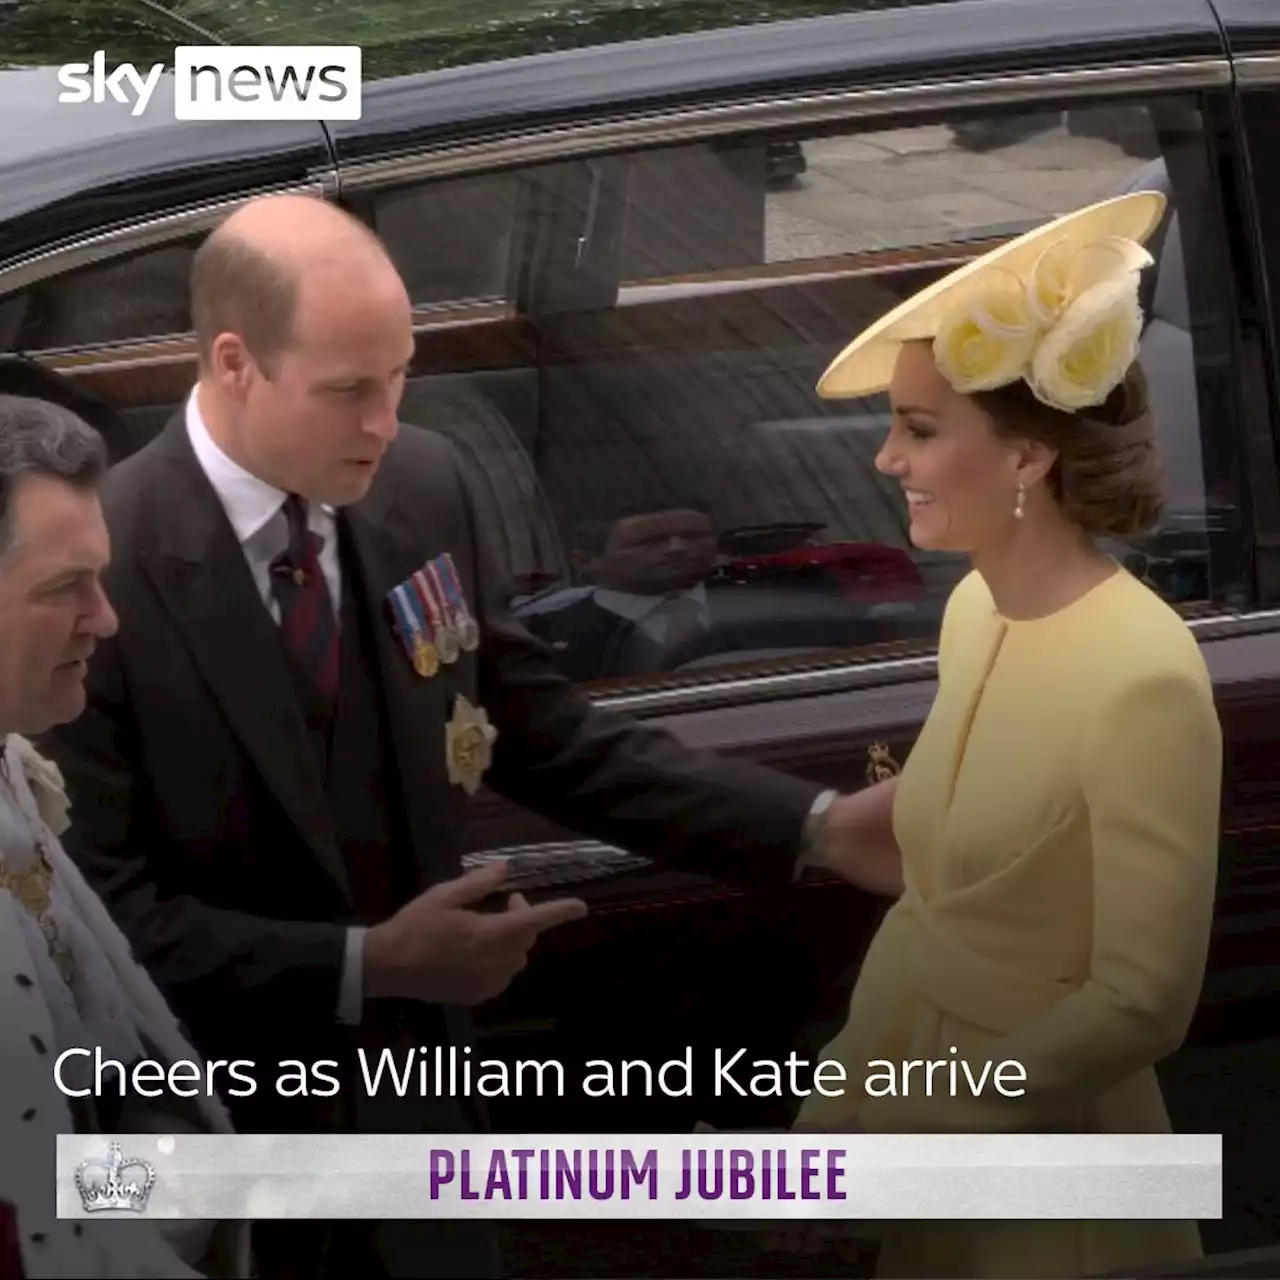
(616, 779)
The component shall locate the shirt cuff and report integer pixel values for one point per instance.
(811, 837)
(351, 990)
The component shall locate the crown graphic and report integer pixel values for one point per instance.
(115, 1183)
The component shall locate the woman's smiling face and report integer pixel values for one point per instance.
(960, 479)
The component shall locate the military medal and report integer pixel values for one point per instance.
(465, 625)
(412, 628)
(433, 599)
(432, 618)
(426, 662)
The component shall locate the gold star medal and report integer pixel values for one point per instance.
(468, 745)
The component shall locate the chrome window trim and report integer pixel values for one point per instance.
(1257, 70)
(730, 691)
(151, 233)
(917, 97)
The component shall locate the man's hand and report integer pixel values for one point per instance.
(858, 843)
(440, 950)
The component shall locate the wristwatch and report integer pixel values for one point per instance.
(815, 825)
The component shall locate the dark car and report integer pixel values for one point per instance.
(631, 263)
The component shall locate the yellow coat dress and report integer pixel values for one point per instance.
(1058, 821)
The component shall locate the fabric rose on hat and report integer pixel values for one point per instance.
(1084, 357)
(1071, 329)
(987, 343)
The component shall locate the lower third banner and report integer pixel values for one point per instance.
(787, 1176)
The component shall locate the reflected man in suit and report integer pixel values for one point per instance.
(272, 780)
(648, 570)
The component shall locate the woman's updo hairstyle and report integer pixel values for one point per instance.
(1107, 478)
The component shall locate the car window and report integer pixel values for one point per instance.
(632, 387)
(450, 240)
(706, 510)
(137, 296)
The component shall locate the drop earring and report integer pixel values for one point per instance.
(1020, 506)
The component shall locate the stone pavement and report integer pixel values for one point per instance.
(914, 186)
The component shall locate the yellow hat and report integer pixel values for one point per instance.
(1057, 307)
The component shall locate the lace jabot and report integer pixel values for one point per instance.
(77, 978)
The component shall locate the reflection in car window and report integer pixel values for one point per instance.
(672, 417)
(899, 187)
(142, 295)
(450, 240)
(638, 415)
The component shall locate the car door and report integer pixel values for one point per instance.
(690, 230)
(1247, 934)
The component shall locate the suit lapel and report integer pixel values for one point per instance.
(200, 574)
(389, 549)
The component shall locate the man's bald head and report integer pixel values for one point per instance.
(306, 339)
(250, 275)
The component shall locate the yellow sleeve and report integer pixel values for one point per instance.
(1152, 778)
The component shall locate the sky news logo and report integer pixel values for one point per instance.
(230, 82)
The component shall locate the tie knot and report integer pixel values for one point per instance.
(295, 512)
(303, 545)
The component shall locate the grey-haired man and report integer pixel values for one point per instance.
(68, 980)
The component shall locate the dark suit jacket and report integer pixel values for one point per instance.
(593, 643)
(198, 812)
(590, 642)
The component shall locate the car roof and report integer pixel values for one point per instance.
(961, 37)
(72, 167)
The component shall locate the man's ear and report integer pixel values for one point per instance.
(231, 364)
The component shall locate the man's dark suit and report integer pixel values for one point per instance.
(593, 643)
(234, 864)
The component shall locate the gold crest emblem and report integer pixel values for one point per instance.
(880, 763)
(468, 745)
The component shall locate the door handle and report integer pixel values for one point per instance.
(554, 863)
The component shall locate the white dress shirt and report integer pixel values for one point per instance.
(647, 612)
(255, 510)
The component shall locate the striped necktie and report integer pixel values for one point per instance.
(307, 622)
